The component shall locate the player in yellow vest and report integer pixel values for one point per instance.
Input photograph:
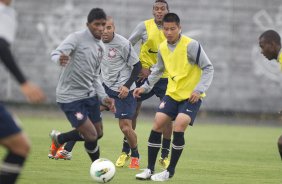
(190, 73)
(270, 44)
(151, 35)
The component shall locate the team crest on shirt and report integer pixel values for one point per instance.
(112, 53)
(79, 116)
(162, 105)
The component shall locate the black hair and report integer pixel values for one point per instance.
(171, 17)
(271, 36)
(96, 13)
(163, 1)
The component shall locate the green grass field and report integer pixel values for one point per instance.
(214, 154)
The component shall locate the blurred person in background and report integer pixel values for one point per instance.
(11, 135)
(270, 44)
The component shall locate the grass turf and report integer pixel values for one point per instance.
(214, 154)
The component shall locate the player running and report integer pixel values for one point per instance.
(190, 73)
(120, 68)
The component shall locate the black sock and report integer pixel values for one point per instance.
(134, 152)
(69, 145)
(177, 148)
(154, 145)
(73, 135)
(11, 168)
(165, 147)
(125, 146)
(92, 149)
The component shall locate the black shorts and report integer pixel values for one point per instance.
(8, 125)
(159, 89)
(125, 108)
(172, 108)
(79, 110)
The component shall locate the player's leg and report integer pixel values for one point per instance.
(76, 113)
(92, 148)
(159, 90)
(125, 152)
(16, 143)
(186, 115)
(126, 128)
(180, 124)
(154, 144)
(18, 148)
(167, 132)
(126, 111)
(279, 143)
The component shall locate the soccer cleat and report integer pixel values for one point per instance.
(164, 162)
(122, 159)
(63, 154)
(54, 145)
(134, 163)
(145, 175)
(162, 176)
(54, 136)
(52, 151)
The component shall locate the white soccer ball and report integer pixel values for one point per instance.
(102, 170)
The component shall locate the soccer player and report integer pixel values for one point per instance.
(120, 68)
(190, 73)
(270, 44)
(79, 90)
(151, 35)
(11, 135)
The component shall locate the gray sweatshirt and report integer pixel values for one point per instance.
(80, 78)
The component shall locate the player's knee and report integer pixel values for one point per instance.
(23, 149)
(100, 135)
(90, 137)
(126, 130)
(280, 143)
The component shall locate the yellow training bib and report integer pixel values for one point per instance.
(182, 76)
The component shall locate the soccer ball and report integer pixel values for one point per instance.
(102, 170)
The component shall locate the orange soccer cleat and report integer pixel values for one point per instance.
(63, 154)
(53, 150)
(134, 163)
(55, 145)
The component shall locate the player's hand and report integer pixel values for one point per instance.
(110, 103)
(64, 59)
(137, 92)
(145, 72)
(123, 92)
(195, 96)
(103, 108)
(32, 92)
